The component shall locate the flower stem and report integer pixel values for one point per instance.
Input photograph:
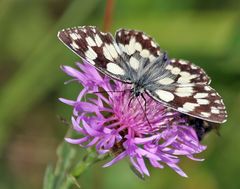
(89, 159)
(69, 167)
(108, 15)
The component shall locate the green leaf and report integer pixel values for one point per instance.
(48, 178)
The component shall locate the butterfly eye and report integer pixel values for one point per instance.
(165, 56)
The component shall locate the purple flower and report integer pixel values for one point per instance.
(105, 118)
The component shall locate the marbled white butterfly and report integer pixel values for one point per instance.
(134, 57)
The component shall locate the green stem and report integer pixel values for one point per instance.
(70, 166)
(107, 22)
(88, 160)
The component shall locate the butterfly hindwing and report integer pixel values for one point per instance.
(196, 100)
(188, 72)
(184, 87)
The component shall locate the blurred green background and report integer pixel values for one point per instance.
(205, 32)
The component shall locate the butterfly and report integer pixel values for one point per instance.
(134, 57)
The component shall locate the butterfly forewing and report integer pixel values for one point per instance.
(132, 41)
(141, 54)
(97, 48)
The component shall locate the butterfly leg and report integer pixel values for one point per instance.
(144, 109)
(145, 102)
(131, 98)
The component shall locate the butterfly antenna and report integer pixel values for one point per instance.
(144, 109)
(113, 91)
(110, 91)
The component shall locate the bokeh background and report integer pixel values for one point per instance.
(205, 32)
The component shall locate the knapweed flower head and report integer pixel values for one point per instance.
(141, 129)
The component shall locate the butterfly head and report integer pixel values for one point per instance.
(137, 89)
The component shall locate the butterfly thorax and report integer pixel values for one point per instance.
(144, 78)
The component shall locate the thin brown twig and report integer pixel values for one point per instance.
(107, 22)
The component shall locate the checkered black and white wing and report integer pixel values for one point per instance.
(193, 73)
(97, 48)
(185, 88)
(133, 42)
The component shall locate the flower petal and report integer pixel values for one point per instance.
(177, 169)
(68, 102)
(116, 159)
(76, 126)
(146, 139)
(136, 166)
(72, 72)
(86, 107)
(142, 165)
(90, 130)
(77, 141)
